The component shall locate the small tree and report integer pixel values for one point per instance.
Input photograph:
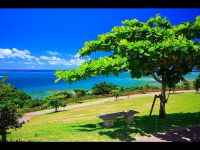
(58, 99)
(117, 92)
(196, 83)
(9, 115)
(56, 103)
(79, 93)
(9, 112)
(128, 92)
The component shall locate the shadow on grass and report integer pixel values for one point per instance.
(183, 135)
(145, 125)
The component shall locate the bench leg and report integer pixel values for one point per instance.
(108, 123)
(129, 119)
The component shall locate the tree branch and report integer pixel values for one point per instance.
(153, 75)
(157, 79)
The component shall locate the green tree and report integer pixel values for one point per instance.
(79, 93)
(103, 88)
(196, 83)
(117, 92)
(128, 91)
(154, 47)
(57, 99)
(17, 96)
(9, 112)
(56, 103)
(34, 103)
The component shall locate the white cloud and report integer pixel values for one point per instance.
(73, 56)
(76, 56)
(5, 53)
(13, 53)
(53, 60)
(53, 53)
(31, 62)
(22, 54)
(38, 61)
(75, 60)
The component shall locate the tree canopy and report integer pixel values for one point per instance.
(13, 92)
(152, 48)
(9, 112)
(155, 47)
(103, 88)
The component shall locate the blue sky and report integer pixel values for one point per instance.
(51, 38)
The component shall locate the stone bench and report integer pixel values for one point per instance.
(108, 119)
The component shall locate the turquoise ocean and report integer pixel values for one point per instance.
(40, 83)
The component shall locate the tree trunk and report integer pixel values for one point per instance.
(162, 112)
(56, 109)
(4, 138)
(77, 100)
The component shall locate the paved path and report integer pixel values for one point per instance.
(28, 116)
(191, 134)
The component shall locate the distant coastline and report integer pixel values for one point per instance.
(50, 70)
(28, 69)
(39, 83)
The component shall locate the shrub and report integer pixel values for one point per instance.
(103, 88)
(45, 106)
(18, 102)
(89, 92)
(34, 103)
(141, 88)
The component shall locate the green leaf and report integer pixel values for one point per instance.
(146, 54)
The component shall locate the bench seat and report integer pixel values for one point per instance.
(108, 119)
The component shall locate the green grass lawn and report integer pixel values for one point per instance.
(82, 124)
(85, 101)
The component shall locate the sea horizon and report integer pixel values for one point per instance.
(194, 70)
(39, 83)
